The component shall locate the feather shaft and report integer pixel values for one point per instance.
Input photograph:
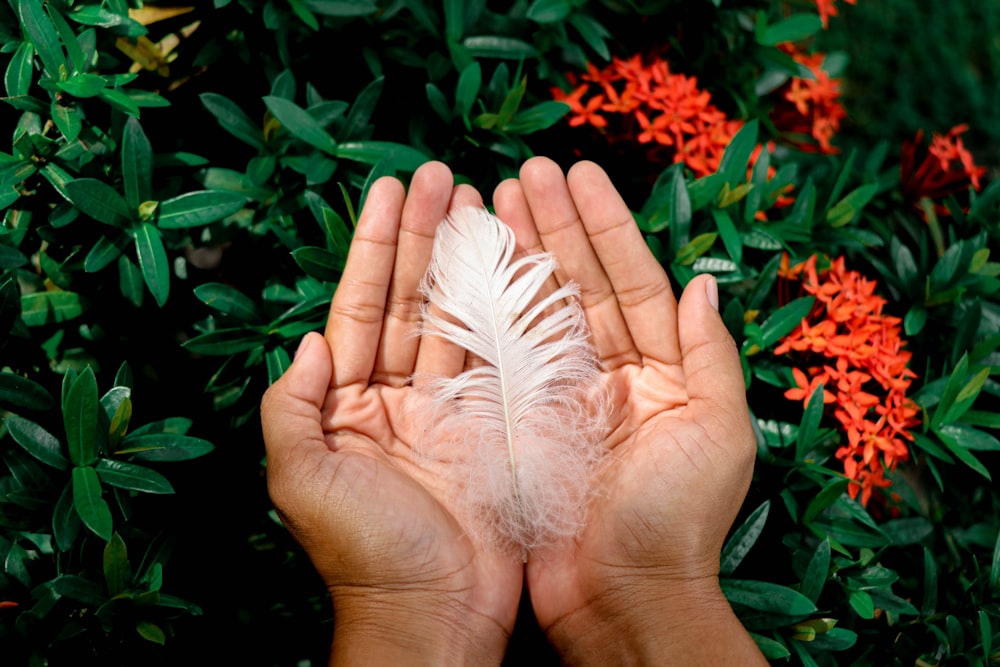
(520, 425)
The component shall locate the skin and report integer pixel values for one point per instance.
(639, 585)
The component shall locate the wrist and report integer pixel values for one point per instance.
(411, 628)
(650, 622)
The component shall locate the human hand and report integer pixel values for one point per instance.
(640, 583)
(406, 580)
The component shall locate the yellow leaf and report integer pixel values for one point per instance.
(150, 15)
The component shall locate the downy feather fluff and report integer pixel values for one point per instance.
(526, 416)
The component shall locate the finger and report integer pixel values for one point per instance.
(438, 357)
(645, 299)
(712, 370)
(291, 408)
(562, 232)
(425, 205)
(357, 310)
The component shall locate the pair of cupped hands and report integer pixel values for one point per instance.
(410, 584)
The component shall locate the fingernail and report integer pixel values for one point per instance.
(712, 292)
(303, 344)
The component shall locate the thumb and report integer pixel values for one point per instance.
(712, 370)
(291, 407)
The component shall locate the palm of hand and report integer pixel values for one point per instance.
(376, 480)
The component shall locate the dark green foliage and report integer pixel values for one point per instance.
(171, 231)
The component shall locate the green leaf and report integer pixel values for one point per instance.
(201, 207)
(132, 477)
(808, 426)
(497, 46)
(767, 596)
(300, 124)
(929, 604)
(164, 447)
(962, 453)
(786, 318)
(98, 200)
(37, 441)
(850, 206)
(19, 392)
(228, 301)
(401, 156)
(548, 11)
(232, 119)
(277, 363)
(226, 341)
(730, 236)
(120, 101)
(319, 263)
(861, 602)
(79, 408)
(151, 632)
(80, 589)
(20, 70)
(117, 573)
(153, 261)
(137, 165)
(538, 117)
(694, 249)
(793, 29)
(130, 281)
(816, 572)
(359, 116)
(65, 521)
(36, 23)
(593, 33)
(83, 85)
(736, 157)
(105, 250)
(87, 500)
(949, 398)
(743, 539)
(971, 438)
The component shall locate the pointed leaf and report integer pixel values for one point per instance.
(786, 318)
(65, 521)
(736, 157)
(37, 441)
(401, 156)
(767, 596)
(198, 208)
(132, 477)
(300, 124)
(93, 510)
(20, 70)
(743, 539)
(38, 26)
(228, 301)
(137, 165)
(19, 393)
(232, 118)
(98, 200)
(117, 574)
(165, 447)
(80, 418)
(153, 261)
(793, 29)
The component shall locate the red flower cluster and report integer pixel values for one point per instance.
(808, 111)
(636, 100)
(828, 8)
(936, 171)
(856, 352)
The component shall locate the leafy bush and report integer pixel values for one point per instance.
(179, 193)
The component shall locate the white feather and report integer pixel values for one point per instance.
(527, 420)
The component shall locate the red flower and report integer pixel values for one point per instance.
(646, 103)
(936, 171)
(808, 111)
(857, 354)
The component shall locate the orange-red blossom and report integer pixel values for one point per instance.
(854, 350)
(641, 100)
